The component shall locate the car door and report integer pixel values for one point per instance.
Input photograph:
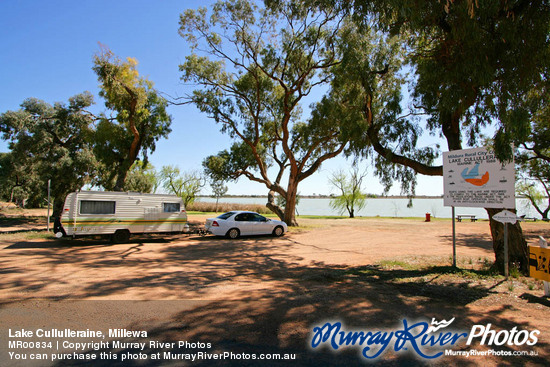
(244, 224)
(261, 225)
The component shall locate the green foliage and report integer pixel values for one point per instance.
(47, 142)
(229, 165)
(186, 185)
(60, 143)
(466, 67)
(350, 197)
(141, 178)
(533, 153)
(534, 184)
(17, 183)
(218, 189)
(472, 65)
(141, 118)
(281, 201)
(253, 67)
(366, 98)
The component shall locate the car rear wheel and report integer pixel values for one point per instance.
(278, 231)
(233, 233)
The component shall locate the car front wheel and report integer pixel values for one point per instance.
(278, 231)
(233, 233)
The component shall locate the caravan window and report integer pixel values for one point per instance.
(97, 207)
(171, 207)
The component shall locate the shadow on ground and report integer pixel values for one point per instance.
(274, 308)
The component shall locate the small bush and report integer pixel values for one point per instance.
(225, 207)
(515, 272)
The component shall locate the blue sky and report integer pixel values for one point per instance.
(47, 49)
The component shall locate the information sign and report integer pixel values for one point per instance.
(476, 178)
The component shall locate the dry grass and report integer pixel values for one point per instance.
(225, 207)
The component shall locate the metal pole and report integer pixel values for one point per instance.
(49, 185)
(454, 238)
(506, 270)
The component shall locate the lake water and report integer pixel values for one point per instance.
(383, 207)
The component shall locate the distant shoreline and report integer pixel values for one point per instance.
(329, 197)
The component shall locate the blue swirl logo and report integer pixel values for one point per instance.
(420, 337)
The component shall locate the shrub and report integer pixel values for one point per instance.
(225, 207)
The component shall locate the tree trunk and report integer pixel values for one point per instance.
(290, 205)
(274, 207)
(125, 167)
(57, 208)
(518, 254)
(121, 178)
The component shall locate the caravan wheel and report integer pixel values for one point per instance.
(120, 236)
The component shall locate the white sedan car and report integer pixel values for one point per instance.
(242, 223)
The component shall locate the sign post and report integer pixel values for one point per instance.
(49, 186)
(454, 238)
(506, 217)
(506, 257)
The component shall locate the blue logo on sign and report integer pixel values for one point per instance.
(419, 337)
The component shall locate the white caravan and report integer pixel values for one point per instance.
(120, 214)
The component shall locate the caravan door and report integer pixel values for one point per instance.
(152, 216)
(171, 213)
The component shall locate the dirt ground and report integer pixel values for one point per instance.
(265, 295)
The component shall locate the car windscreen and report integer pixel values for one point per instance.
(225, 215)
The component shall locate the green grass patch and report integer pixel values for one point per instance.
(321, 217)
(402, 272)
(303, 228)
(26, 235)
(515, 272)
(369, 217)
(391, 264)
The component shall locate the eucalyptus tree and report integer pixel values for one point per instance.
(537, 191)
(254, 67)
(140, 118)
(49, 142)
(533, 157)
(219, 189)
(141, 178)
(470, 65)
(186, 185)
(350, 196)
(19, 184)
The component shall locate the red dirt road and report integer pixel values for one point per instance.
(264, 295)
